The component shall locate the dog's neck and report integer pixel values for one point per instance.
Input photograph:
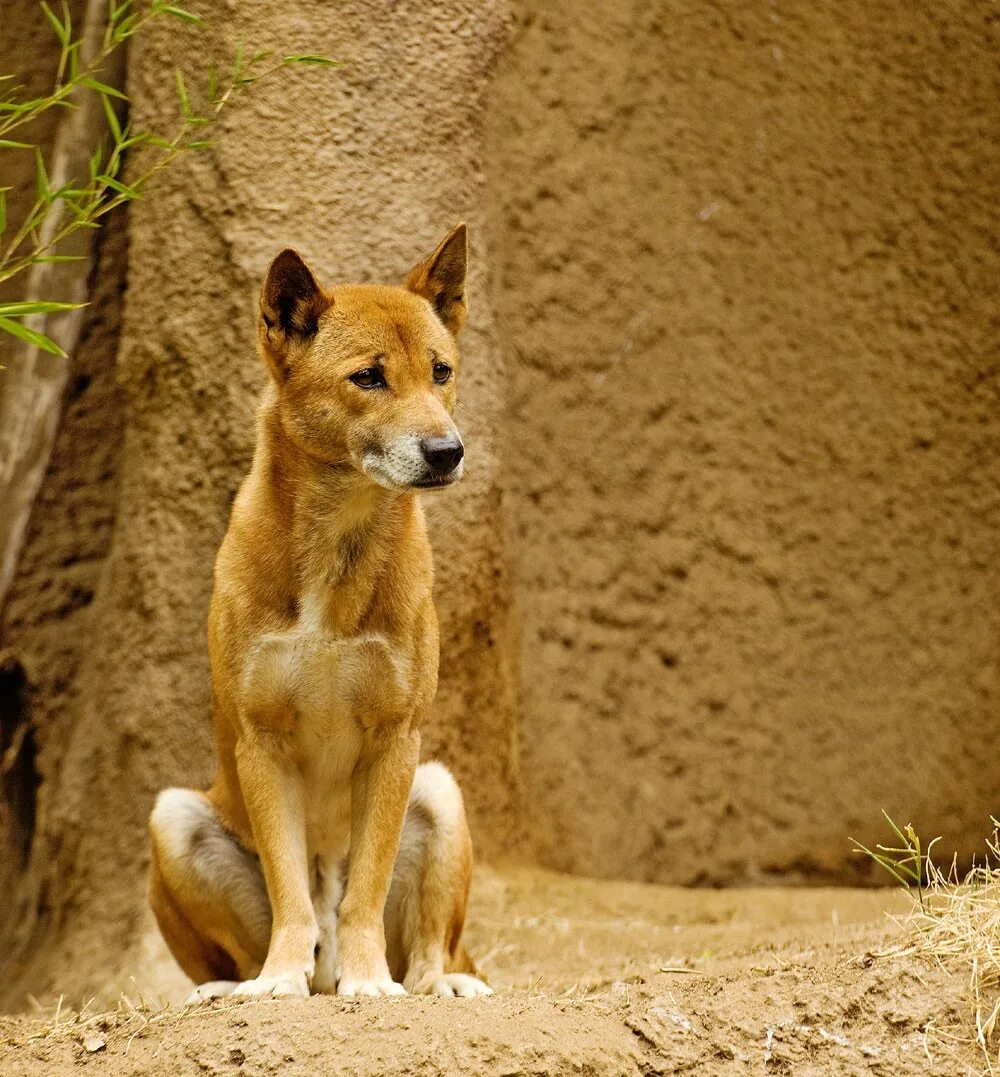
(336, 519)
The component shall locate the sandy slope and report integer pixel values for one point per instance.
(591, 980)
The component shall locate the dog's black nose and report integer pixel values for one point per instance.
(443, 455)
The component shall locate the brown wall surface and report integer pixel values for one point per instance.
(745, 259)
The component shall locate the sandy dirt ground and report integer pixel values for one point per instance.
(592, 977)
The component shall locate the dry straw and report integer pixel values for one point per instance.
(955, 920)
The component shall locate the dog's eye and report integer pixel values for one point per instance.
(369, 378)
(442, 372)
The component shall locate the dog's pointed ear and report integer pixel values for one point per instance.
(440, 279)
(291, 302)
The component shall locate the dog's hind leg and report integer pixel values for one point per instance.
(207, 893)
(425, 911)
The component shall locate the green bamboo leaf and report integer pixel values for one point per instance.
(117, 10)
(102, 88)
(109, 111)
(126, 28)
(94, 161)
(10, 144)
(180, 13)
(35, 306)
(62, 32)
(114, 165)
(308, 58)
(41, 177)
(110, 181)
(182, 93)
(69, 197)
(22, 332)
(55, 259)
(35, 218)
(73, 55)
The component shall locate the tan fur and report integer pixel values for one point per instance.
(290, 872)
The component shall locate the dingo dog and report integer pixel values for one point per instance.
(323, 858)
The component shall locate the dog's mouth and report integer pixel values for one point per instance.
(437, 482)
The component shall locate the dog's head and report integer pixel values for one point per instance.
(366, 375)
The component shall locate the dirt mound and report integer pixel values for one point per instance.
(593, 978)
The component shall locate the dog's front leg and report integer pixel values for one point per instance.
(273, 794)
(380, 789)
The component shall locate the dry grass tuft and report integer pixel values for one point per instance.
(955, 920)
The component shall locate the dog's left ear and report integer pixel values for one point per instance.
(441, 278)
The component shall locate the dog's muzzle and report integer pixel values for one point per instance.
(443, 455)
(422, 463)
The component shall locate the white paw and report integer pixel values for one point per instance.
(213, 989)
(350, 987)
(458, 983)
(292, 984)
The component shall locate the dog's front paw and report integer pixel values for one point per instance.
(451, 984)
(208, 991)
(352, 986)
(286, 985)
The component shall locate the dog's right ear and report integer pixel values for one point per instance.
(291, 302)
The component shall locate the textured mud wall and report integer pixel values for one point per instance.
(364, 169)
(746, 265)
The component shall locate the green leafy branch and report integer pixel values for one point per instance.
(82, 202)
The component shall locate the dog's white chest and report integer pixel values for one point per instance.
(325, 691)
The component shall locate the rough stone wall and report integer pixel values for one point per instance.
(364, 169)
(746, 266)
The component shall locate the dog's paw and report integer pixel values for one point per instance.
(455, 983)
(352, 987)
(214, 989)
(287, 985)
